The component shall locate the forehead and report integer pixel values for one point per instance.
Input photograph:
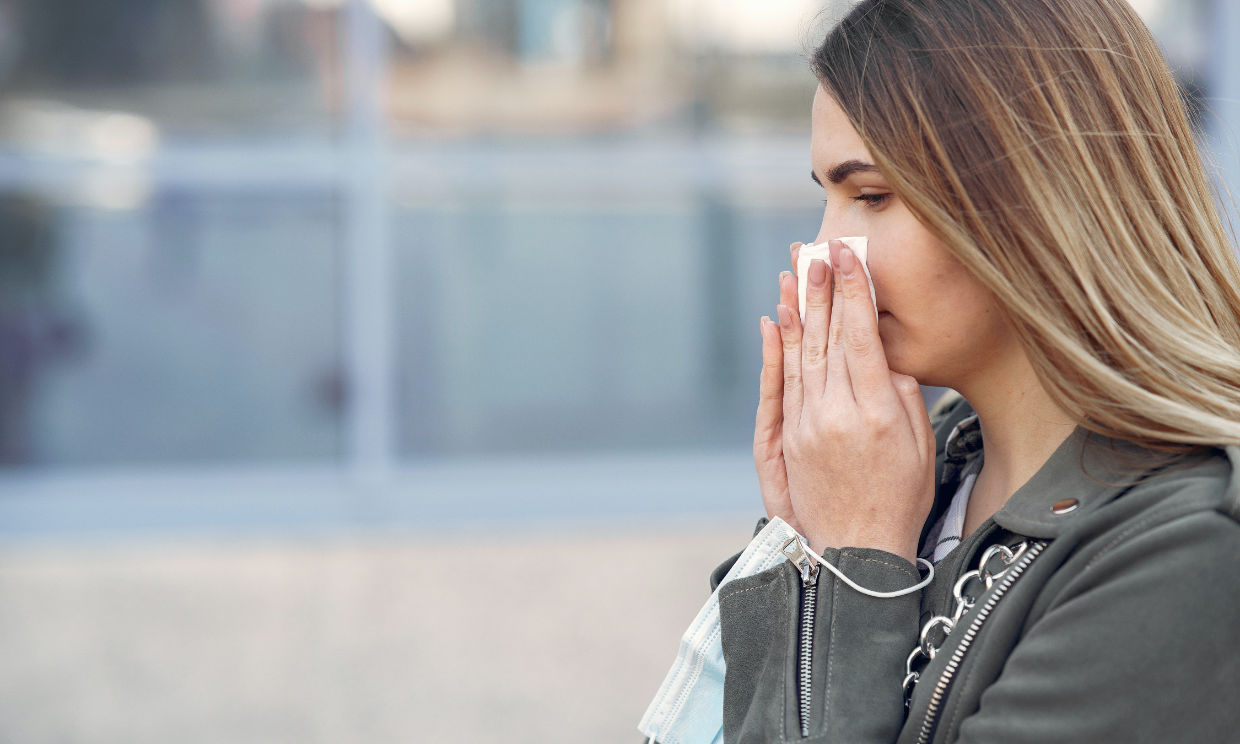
(833, 139)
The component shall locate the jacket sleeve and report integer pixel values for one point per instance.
(859, 643)
(855, 661)
(1140, 645)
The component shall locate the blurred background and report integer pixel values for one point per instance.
(384, 370)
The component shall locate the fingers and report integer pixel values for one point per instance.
(795, 250)
(770, 386)
(856, 335)
(814, 343)
(909, 392)
(790, 334)
(788, 289)
(839, 383)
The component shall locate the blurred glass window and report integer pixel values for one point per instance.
(377, 233)
(197, 327)
(196, 68)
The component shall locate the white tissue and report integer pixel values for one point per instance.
(810, 252)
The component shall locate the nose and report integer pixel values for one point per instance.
(835, 226)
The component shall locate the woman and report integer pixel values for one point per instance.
(1043, 240)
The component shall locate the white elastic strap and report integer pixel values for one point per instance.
(869, 592)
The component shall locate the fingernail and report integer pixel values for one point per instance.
(787, 282)
(785, 316)
(833, 249)
(762, 323)
(848, 262)
(817, 272)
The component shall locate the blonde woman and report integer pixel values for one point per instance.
(1042, 238)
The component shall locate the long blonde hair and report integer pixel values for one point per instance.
(1045, 143)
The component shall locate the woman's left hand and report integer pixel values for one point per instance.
(857, 441)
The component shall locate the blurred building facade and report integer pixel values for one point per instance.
(370, 250)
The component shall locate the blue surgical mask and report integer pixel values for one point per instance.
(688, 708)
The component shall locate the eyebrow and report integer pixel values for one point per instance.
(845, 169)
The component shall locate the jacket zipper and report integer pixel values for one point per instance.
(809, 604)
(966, 639)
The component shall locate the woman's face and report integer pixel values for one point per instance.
(937, 322)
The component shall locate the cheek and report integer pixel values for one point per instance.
(932, 301)
(913, 276)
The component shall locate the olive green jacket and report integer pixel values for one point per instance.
(1125, 628)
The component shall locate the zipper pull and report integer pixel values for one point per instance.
(797, 556)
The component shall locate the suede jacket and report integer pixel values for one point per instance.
(1119, 623)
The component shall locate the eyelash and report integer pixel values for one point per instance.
(873, 201)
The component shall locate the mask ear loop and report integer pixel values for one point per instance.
(870, 592)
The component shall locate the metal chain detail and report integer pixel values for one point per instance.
(968, 589)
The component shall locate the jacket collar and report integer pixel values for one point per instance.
(1086, 472)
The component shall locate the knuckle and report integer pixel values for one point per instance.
(814, 354)
(858, 340)
(880, 421)
(907, 386)
(834, 427)
(836, 333)
(837, 431)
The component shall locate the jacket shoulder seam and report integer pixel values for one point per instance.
(1160, 516)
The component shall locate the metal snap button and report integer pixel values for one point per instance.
(1063, 506)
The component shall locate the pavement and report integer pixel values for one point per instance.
(556, 635)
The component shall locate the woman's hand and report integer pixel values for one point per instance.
(768, 443)
(856, 441)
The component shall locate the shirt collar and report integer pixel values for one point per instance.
(963, 446)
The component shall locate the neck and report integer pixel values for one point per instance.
(1021, 428)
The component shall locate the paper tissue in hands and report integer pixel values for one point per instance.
(810, 252)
